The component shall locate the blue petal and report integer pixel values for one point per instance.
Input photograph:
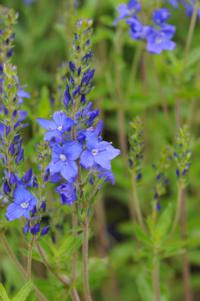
(87, 159)
(22, 195)
(59, 118)
(72, 150)
(55, 167)
(46, 124)
(53, 134)
(102, 161)
(92, 140)
(13, 212)
(70, 171)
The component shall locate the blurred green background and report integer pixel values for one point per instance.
(129, 82)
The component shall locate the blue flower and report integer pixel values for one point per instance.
(86, 116)
(174, 3)
(63, 160)
(189, 7)
(29, 2)
(107, 176)
(137, 29)
(125, 10)
(23, 203)
(22, 94)
(67, 193)
(160, 39)
(160, 16)
(98, 152)
(56, 127)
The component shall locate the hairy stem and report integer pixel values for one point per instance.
(181, 193)
(187, 48)
(191, 29)
(156, 278)
(86, 286)
(18, 265)
(74, 259)
(185, 260)
(181, 218)
(29, 259)
(75, 295)
(136, 202)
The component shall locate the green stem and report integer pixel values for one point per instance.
(18, 265)
(156, 278)
(136, 201)
(191, 30)
(181, 191)
(187, 48)
(134, 67)
(185, 260)
(29, 259)
(75, 295)
(86, 286)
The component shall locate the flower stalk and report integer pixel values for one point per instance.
(86, 286)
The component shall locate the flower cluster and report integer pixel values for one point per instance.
(11, 149)
(182, 153)
(161, 177)
(158, 36)
(8, 19)
(136, 145)
(78, 151)
(15, 187)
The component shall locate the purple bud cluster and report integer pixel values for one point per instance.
(74, 133)
(8, 19)
(158, 35)
(182, 153)
(15, 194)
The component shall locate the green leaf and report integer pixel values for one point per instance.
(3, 294)
(164, 223)
(141, 235)
(24, 292)
(44, 108)
(194, 57)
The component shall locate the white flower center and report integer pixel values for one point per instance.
(24, 205)
(63, 157)
(160, 38)
(95, 152)
(60, 128)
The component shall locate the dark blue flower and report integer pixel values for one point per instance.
(160, 16)
(67, 193)
(23, 203)
(107, 176)
(63, 160)
(98, 152)
(27, 228)
(45, 231)
(67, 99)
(56, 127)
(35, 229)
(160, 39)
(137, 29)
